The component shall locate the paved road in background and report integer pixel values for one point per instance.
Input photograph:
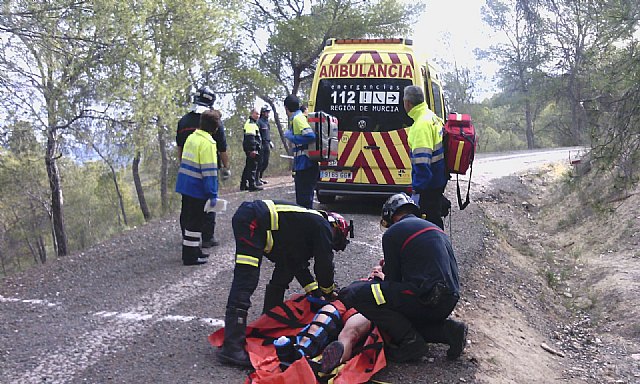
(127, 311)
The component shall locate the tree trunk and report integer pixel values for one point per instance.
(114, 177)
(529, 122)
(57, 206)
(164, 166)
(139, 191)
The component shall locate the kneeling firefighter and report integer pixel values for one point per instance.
(289, 235)
(417, 288)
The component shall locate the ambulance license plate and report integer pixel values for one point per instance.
(330, 174)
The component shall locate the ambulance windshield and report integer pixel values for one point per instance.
(365, 104)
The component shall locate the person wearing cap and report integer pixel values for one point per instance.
(267, 144)
(203, 100)
(301, 135)
(416, 290)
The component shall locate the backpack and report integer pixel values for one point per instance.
(459, 149)
(325, 126)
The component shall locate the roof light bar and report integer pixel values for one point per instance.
(370, 41)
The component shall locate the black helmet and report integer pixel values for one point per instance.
(265, 108)
(204, 96)
(394, 203)
(292, 103)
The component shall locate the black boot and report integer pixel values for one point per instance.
(411, 348)
(233, 348)
(450, 332)
(192, 256)
(273, 295)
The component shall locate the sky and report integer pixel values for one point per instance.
(452, 30)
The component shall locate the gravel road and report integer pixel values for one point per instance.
(127, 311)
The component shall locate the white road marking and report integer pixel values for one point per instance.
(126, 316)
(27, 301)
(85, 350)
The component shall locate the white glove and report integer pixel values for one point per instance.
(416, 198)
(226, 173)
(210, 205)
(271, 145)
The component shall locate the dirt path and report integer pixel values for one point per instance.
(542, 303)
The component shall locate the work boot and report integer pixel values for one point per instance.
(255, 188)
(192, 256)
(450, 332)
(273, 295)
(207, 247)
(456, 332)
(263, 181)
(235, 333)
(411, 348)
(243, 187)
(258, 183)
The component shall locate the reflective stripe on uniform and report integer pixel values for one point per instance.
(248, 260)
(273, 214)
(420, 160)
(377, 294)
(312, 286)
(328, 289)
(211, 173)
(191, 243)
(269, 242)
(427, 151)
(197, 235)
(194, 174)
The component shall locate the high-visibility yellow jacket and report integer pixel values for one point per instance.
(198, 173)
(428, 168)
(251, 140)
(300, 134)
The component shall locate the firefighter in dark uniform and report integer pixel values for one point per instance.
(251, 147)
(418, 288)
(290, 236)
(202, 101)
(267, 144)
(301, 135)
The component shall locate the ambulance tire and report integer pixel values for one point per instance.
(326, 199)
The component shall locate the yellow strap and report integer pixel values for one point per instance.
(377, 294)
(248, 260)
(312, 286)
(458, 155)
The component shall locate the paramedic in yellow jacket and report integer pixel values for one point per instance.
(198, 183)
(301, 135)
(428, 169)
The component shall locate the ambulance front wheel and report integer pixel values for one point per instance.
(326, 199)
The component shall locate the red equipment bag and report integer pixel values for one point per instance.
(325, 126)
(459, 149)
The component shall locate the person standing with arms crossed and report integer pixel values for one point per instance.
(301, 135)
(428, 169)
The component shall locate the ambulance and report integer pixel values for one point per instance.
(361, 82)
